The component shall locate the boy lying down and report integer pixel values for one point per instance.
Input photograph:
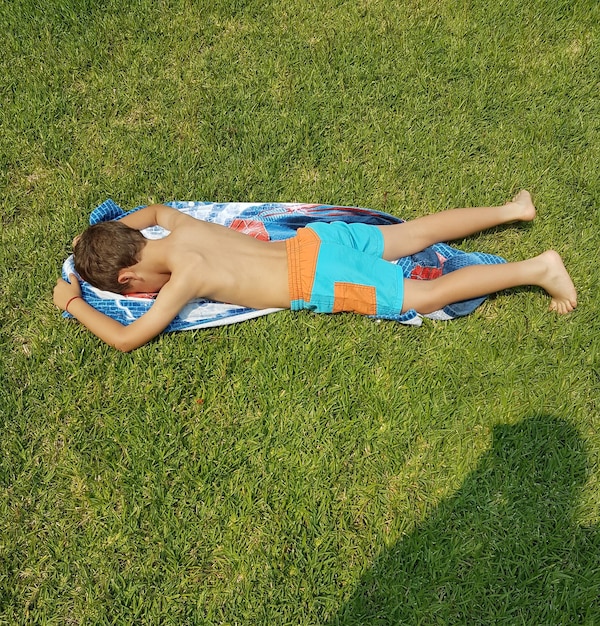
(325, 268)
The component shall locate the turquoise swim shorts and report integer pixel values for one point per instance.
(335, 267)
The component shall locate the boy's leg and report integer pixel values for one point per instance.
(546, 271)
(413, 236)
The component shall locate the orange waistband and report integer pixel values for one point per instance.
(302, 255)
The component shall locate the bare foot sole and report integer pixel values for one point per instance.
(521, 208)
(558, 283)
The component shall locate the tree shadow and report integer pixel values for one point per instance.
(505, 549)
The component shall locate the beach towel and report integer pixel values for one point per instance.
(271, 222)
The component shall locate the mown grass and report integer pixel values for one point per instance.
(298, 469)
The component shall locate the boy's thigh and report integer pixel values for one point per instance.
(401, 240)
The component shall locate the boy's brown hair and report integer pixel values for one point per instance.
(103, 250)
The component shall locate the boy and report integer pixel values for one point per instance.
(325, 268)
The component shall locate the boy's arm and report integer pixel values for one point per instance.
(170, 300)
(153, 215)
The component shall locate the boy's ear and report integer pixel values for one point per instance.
(125, 276)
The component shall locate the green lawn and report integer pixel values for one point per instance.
(300, 469)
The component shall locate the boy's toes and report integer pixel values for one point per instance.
(562, 307)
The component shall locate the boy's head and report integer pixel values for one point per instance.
(103, 250)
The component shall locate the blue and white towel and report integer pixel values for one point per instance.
(271, 222)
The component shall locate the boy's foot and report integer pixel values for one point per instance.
(521, 207)
(557, 282)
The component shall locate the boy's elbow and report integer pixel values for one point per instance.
(124, 344)
(130, 339)
(121, 347)
(136, 334)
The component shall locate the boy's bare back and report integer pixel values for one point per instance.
(212, 261)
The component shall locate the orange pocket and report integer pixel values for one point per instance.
(351, 297)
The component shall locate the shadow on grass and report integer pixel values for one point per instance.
(505, 549)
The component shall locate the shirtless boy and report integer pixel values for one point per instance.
(200, 259)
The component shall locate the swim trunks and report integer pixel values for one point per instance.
(335, 267)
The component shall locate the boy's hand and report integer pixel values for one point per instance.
(64, 291)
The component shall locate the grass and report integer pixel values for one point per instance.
(298, 469)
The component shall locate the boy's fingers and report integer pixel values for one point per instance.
(75, 282)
